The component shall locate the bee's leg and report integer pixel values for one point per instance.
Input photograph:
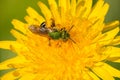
(72, 40)
(49, 41)
(52, 22)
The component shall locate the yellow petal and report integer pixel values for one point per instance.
(19, 25)
(7, 44)
(80, 9)
(54, 11)
(63, 5)
(94, 28)
(111, 25)
(96, 8)
(64, 8)
(10, 76)
(83, 8)
(115, 60)
(113, 52)
(17, 74)
(98, 11)
(12, 63)
(68, 4)
(86, 76)
(102, 73)
(103, 10)
(34, 15)
(20, 37)
(28, 76)
(93, 76)
(44, 77)
(18, 48)
(46, 12)
(114, 72)
(109, 36)
(88, 6)
(53, 2)
(73, 7)
(116, 41)
(31, 21)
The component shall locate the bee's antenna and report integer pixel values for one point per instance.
(70, 37)
(70, 28)
(72, 40)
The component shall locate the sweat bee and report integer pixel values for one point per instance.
(52, 32)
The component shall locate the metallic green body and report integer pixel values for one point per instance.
(59, 34)
(55, 35)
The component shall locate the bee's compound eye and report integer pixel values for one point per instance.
(43, 24)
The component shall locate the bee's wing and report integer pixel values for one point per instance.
(34, 29)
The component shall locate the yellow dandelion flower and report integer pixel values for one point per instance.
(71, 42)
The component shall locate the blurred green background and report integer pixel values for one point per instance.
(16, 9)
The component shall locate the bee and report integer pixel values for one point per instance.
(52, 32)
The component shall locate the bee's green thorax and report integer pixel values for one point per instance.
(55, 35)
(59, 34)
